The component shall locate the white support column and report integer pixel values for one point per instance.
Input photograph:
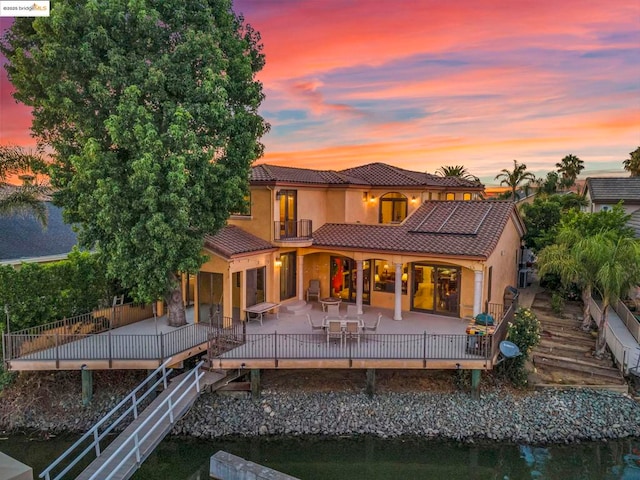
(300, 275)
(397, 308)
(359, 285)
(477, 292)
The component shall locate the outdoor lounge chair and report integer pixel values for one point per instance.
(373, 327)
(313, 325)
(334, 330)
(314, 289)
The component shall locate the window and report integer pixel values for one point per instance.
(393, 208)
(243, 210)
(450, 196)
(288, 213)
(385, 277)
(466, 196)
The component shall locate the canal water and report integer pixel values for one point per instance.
(370, 458)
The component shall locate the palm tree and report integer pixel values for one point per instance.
(569, 168)
(632, 164)
(514, 178)
(26, 198)
(459, 171)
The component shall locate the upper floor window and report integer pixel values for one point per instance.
(466, 196)
(450, 196)
(393, 208)
(244, 209)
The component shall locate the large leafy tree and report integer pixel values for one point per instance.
(513, 178)
(459, 171)
(151, 110)
(28, 197)
(632, 164)
(569, 168)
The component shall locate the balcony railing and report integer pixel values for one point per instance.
(292, 230)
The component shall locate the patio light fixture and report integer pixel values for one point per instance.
(365, 196)
(414, 199)
(277, 262)
(278, 195)
(373, 198)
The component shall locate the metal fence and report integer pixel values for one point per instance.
(630, 320)
(105, 346)
(291, 229)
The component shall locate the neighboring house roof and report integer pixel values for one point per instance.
(457, 228)
(22, 236)
(231, 241)
(372, 174)
(613, 189)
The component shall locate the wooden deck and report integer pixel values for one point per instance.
(420, 340)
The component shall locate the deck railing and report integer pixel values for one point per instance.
(629, 319)
(292, 230)
(105, 346)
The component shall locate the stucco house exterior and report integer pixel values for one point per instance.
(602, 193)
(372, 235)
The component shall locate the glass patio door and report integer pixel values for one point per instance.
(436, 289)
(288, 213)
(344, 279)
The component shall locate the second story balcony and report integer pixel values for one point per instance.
(293, 231)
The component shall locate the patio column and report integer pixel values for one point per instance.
(359, 285)
(477, 292)
(397, 308)
(300, 274)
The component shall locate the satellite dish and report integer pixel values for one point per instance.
(509, 349)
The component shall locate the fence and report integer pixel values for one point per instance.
(630, 320)
(621, 353)
(105, 346)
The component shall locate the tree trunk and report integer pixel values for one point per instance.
(601, 342)
(175, 307)
(587, 321)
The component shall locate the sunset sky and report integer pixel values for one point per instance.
(420, 84)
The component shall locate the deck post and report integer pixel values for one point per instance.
(255, 383)
(87, 385)
(475, 384)
(371, 382)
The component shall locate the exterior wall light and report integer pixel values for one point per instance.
(277, 262)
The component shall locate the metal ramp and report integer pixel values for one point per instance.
(125, 453)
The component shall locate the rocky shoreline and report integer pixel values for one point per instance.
(551, 416)
(538, 417)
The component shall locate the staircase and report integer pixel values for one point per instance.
(564, 356)
(124, 455)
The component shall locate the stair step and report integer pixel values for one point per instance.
(568, 364)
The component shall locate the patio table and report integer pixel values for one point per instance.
(259, 309)
(329, 301)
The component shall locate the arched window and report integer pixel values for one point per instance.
(393, 208)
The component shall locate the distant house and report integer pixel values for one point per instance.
(603, 193)
(24, 239)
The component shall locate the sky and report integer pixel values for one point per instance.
(420, 84)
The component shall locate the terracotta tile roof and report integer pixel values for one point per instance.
(466, 228)
(373, 174)
(231, 241)
(614, 189)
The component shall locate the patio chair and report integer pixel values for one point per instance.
(313, 325)
(352, 312)
(373, 327)
(333, 310)
(353, 329)
(314, 289)
(334, 330)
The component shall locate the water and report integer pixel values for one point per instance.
(370, 458)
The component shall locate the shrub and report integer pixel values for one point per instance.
(557, 303)
(524, 331)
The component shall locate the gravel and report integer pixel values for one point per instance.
(549, 416)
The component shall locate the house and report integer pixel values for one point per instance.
(605, 192)
(373, 235)
(23, 239)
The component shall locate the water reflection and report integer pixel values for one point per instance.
(371, 458)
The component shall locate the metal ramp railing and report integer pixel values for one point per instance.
(104, 427)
